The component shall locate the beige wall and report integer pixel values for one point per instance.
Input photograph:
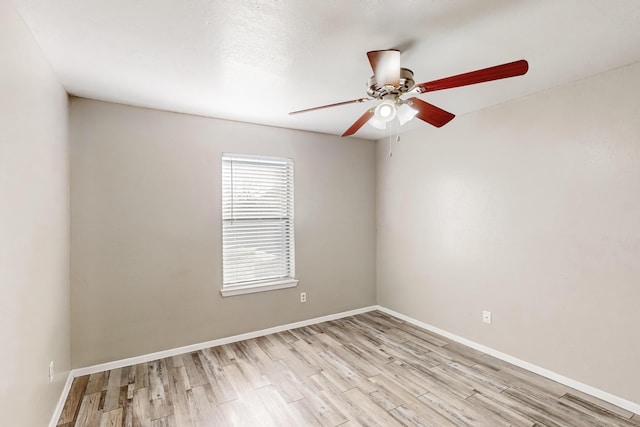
(146, 229)
(530, 209)
(34, 228)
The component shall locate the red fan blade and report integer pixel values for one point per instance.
(353, 101)
(497, 72)
(430, 113)
(386, 66)
(359, 123)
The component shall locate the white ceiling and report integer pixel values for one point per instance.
(254, 61)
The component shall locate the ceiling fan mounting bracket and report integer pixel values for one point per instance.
(378, 91)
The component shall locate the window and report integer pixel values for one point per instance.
(257, 224)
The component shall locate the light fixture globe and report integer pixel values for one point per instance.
(405, 113)
(386, 111)
(373, 121)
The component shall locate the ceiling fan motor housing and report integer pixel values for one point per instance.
(405, 84)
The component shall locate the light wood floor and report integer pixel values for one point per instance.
(370, 369)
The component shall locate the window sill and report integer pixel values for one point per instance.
(258, 287)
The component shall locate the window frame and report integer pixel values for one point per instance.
(268, 284)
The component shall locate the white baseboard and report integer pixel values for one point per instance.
(195, 347)
(603, 395)
(63, 398)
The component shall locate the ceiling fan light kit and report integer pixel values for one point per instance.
(405, 113)
(390, 83)
(385, 111)
(388, 110)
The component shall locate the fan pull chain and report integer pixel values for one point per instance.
(397, 132)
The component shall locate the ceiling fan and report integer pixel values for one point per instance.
(390, 83)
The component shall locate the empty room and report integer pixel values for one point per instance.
(336, 213)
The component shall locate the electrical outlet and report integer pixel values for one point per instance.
(51, 372)
(486, 316)
(303, 297)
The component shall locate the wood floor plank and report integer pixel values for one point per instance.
(360, 332)
(441, 354)
(273, 346)
(366, 355)
(125, 403)
(321, 409)
(413, 335)
(161, 403)
(179, 387)
(195, 371)
(304, 351)
(236, 413)
(363, 409)
(337, 332)
(89, 413)
(471, 378)
(421, 334)
(514, 374)
(203, 409)
(111, 418)
(164, 422)
(407, 405)
(218, 354)
(131, 378)
(112, 398)
(552, 414)
(355, 335)
(221, 387)
(454, 408)
(365, 370)
(306, 416)
(275, 405)
(176, 361)
(325, 341)
(379, 319)
(124, 376)
(479, 404)
(142, 376)
(328, 379)
(285, 336)
(597, 404)
(247, 396)
(299, 365)
(74, 399)
(303, 332)
(407, 415)
(98, 382)
(286, 382)
(601, 414)
(435, 382)
(406, 354)
(346, 373)
(396, 373)
(141, 417)
(252, 374)
(127, 417)
(492, 402)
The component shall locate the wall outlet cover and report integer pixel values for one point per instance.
(486, 316)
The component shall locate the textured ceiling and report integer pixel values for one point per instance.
(255, 61)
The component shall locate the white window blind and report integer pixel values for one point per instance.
(257, 220)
